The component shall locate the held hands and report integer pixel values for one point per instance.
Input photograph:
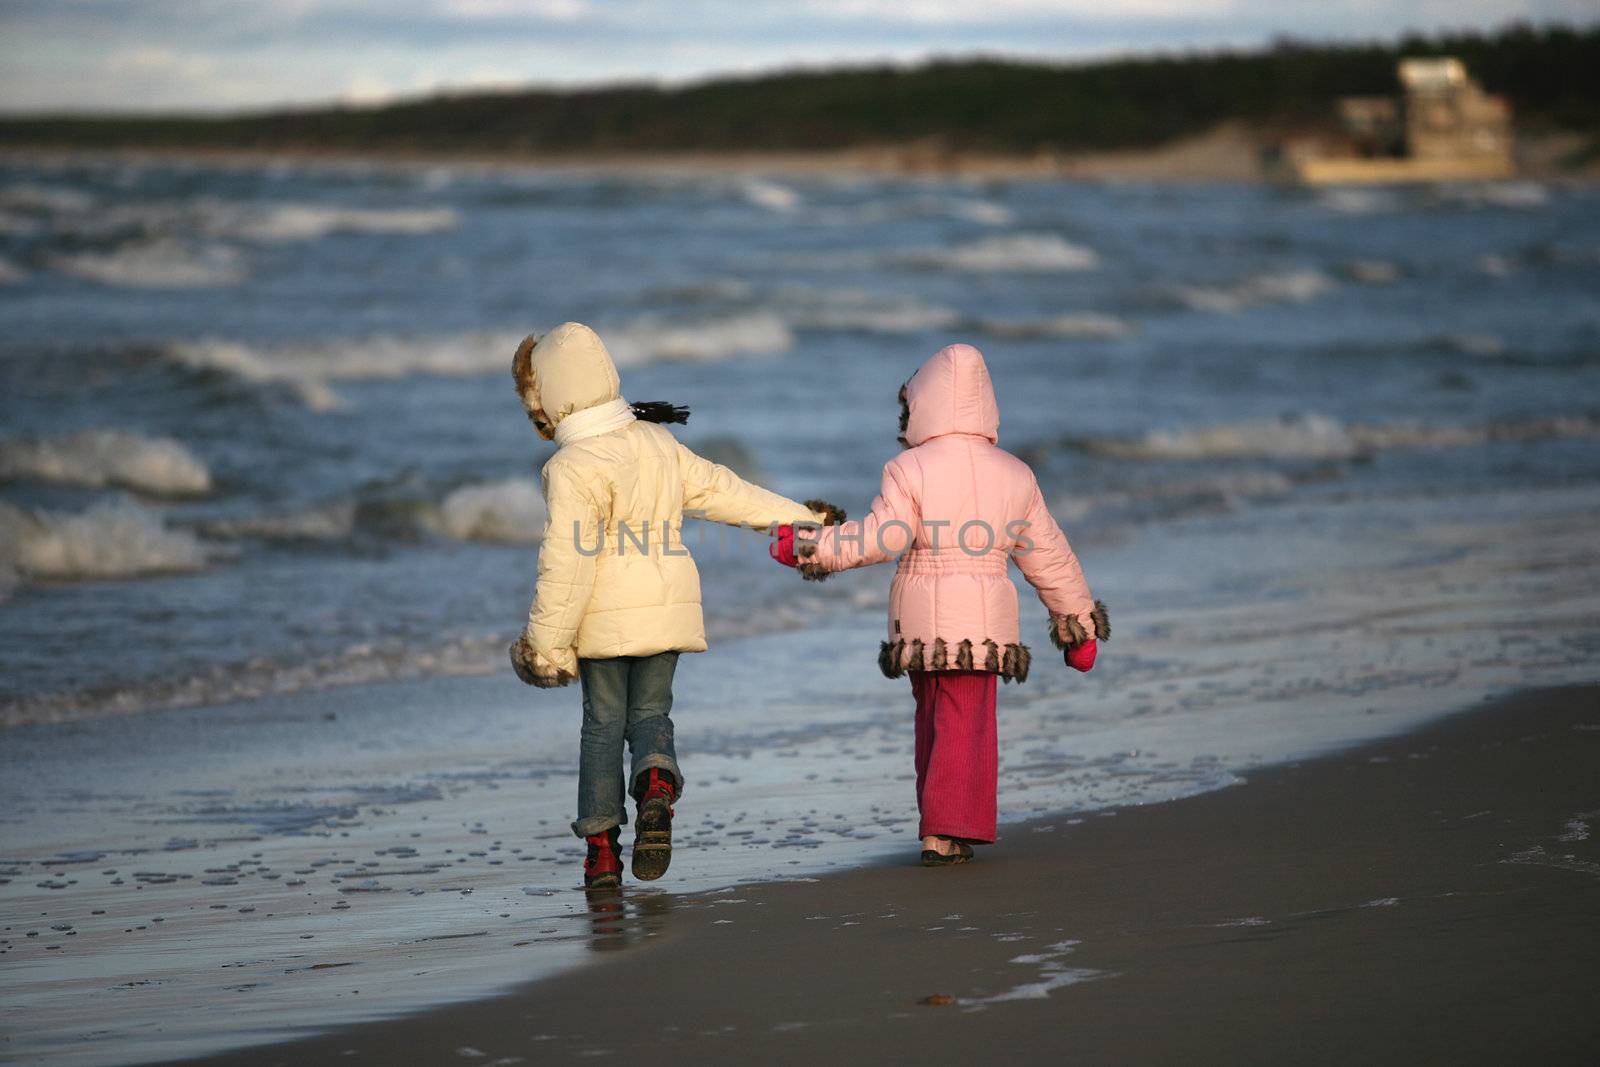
(782, 549)
(534, 669)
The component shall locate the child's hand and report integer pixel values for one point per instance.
(782, 549)
(534, 669)
(1081, 658)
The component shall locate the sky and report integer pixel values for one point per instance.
(225, 55)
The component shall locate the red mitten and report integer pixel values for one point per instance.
(782, 549)
(1082, 657)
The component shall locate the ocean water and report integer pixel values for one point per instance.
(269, 517)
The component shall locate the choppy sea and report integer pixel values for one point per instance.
(269, 516)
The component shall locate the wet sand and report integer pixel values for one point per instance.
(1428, 898)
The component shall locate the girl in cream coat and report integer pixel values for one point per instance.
(618, 595)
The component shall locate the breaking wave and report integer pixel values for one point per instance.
(112, 539)
(1354, 200)
(655, 340)
(161, 263)
(1017, 253)
(1279, 287)
(96, 459)
(509, 512)
(326, 522)
(263, 221)
(34, 198)
(1315, 436)
(1086, 325)
(1522, 195)
(308, 370)
(1216, 493)
(308, 222)
(1372, 271)
(965, 209)
(769, 194)
(853, 309)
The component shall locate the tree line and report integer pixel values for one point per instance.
(1550, 74)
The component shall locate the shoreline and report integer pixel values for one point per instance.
(1428, 896)
(1230, 152)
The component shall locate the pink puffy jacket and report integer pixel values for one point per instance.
(959, 507)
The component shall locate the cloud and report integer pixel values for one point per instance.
(559, 10)
(967, 11)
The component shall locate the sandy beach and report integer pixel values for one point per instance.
(1328, 456)
(1430, 898)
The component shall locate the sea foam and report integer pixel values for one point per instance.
(161, 263)
(1084, 325)
(505, 512)
(1316, 436)
(96, 459)
(1019, 253)
(112, 539)
(309, 369)
(1277, 287)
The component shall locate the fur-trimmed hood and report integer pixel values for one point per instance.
(565, 371)
(951, 393)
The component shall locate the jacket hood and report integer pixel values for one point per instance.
(951, 393)
(570, 371)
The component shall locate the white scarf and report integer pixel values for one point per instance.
(592, 422)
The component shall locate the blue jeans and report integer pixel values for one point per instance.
(624, 699)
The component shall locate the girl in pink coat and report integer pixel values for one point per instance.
(955, 508)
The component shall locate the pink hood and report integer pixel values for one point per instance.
(951, 393)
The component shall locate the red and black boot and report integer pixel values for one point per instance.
(652, 828)
(602, 867)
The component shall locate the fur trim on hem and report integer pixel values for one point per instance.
(1067, 633)
(1010, 662)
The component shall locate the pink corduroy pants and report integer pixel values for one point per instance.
(957, 753)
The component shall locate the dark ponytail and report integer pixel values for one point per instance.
(660, 411)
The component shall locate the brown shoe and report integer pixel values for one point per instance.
(934, 858)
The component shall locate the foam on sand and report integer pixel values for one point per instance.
(161, 263)
(112, 539)
(97, 459)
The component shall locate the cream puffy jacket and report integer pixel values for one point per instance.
(615, 578)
